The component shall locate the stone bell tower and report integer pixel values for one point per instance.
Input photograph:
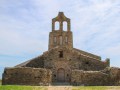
(60, 37)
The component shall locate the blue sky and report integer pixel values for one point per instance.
(25, 26)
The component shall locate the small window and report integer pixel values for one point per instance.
(86, 62)
(5, 72)
(54, 75)
(60, 54)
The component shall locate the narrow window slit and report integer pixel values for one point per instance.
(60, 54)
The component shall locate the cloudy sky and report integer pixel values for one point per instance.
(25, 26)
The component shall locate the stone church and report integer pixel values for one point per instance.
(62, 63)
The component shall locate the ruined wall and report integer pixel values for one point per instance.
(110, 76)
(89, 78)
(26, 76)
(114, 74)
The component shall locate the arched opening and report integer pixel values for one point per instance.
(57, 25)
(61, 75)
(65, 26)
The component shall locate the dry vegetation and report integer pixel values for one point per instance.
(96, 88)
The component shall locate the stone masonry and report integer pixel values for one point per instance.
(27, 76)
(63, 63)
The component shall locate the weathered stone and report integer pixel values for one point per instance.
(93, 78)
(27, 76)
(63, 63)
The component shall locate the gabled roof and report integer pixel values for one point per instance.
(80, 52)
(87, 54)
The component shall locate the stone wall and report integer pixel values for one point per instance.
(89, 78)
(57, 34)
(88, 54)
(73, 59)
(37, 62)
(107, 77)
(70, 60)
(114, 74)
(26, 76)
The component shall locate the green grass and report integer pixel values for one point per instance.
(18, 87)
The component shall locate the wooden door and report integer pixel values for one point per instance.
(61, 75)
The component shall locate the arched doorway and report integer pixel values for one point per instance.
(61, 75)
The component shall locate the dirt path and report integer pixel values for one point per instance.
(59, 87)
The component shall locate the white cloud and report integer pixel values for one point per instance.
(113, 50)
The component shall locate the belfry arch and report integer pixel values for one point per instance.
(62, 19)
(57, 25)
(65, 26)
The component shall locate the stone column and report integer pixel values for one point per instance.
(61, 25)
(68, 25)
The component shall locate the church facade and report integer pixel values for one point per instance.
(63, 63)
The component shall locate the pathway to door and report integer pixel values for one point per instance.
(59, 87)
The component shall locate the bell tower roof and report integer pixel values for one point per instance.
(61, 17)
